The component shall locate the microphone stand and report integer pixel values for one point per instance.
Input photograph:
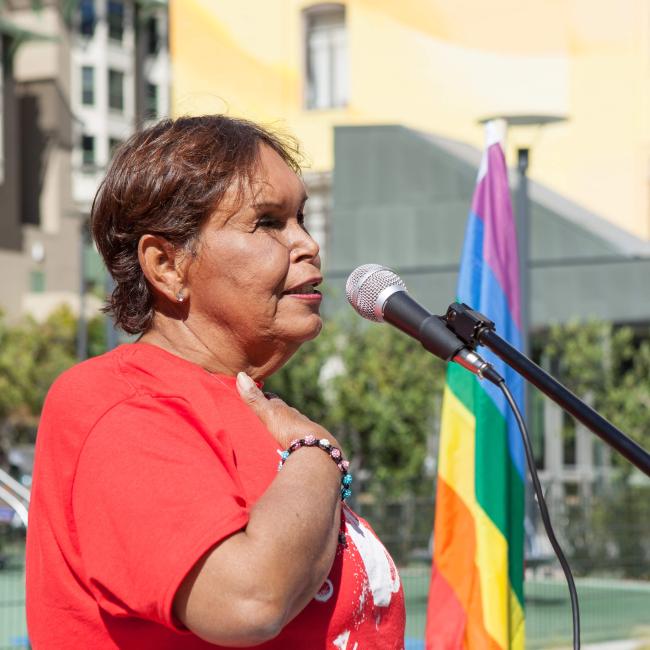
(473, 328)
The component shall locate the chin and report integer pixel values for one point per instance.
(309, 332)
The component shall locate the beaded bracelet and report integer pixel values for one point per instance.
(333, 452)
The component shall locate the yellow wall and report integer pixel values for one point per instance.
(440, 65)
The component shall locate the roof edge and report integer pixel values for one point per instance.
(628, 244)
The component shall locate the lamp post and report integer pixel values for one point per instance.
(522, 212)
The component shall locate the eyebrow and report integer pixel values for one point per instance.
(279, 205)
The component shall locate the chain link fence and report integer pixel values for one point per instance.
(13, 627)
(605, 537)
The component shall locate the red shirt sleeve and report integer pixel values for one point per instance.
(153, 491)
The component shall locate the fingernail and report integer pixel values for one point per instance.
(244, 382)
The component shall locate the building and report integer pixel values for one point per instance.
(78, 77)
(386, 99)
(438, 67)
(408, 209)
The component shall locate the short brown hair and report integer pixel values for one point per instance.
(166, 180)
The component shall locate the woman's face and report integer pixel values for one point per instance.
(252, 281)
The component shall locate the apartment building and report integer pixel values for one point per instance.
(78, 77)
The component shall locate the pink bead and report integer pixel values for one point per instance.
(310, 440)
(344, 465)
(335, 453)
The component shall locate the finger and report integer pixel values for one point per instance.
(249, 392)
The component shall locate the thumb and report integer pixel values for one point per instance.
(249, 392)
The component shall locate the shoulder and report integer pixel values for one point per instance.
(99, 376)
(79, 397)
(128, 370)
(137, 381)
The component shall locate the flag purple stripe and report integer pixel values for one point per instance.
(492, 205)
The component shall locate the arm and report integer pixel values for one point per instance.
(246, 589)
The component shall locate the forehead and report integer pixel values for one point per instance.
(273, 180)
(271, 183)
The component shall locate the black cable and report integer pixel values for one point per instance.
(575, 610)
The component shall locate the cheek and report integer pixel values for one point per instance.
(259, 269)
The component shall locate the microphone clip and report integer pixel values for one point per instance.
(467, 324)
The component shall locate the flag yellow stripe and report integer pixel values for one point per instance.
(457, 469)
(456, 462)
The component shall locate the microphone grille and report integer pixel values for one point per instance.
(364, 286)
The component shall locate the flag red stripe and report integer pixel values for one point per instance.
(455, 614)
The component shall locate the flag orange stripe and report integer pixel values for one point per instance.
(455, 565)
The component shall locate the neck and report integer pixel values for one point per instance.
(217, 353)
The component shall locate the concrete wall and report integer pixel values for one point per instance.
(39, 221)
(401, 198)
(46, 193)
(440, 66)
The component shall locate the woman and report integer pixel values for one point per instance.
(159, 518)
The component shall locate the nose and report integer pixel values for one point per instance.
(303, 245)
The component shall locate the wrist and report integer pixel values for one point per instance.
(334, 453)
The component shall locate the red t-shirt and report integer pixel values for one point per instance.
(144, 462)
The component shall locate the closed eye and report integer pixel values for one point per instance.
(268, 221)
(271, 222)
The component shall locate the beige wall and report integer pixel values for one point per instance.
(440, 65)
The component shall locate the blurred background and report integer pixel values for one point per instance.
(386, 100)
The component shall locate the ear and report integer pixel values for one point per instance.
(162, 265)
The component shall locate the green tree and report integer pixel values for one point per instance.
(32, 355)
(609, 365)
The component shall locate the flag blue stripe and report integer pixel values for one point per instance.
(480, 289)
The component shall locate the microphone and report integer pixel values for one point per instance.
(378, 294)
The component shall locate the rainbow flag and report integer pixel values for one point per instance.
(476, 598)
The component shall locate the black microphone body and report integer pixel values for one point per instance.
(407, 315)
(378, 294)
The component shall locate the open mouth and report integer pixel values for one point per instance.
(305, 289)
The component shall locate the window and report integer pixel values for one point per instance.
(116, 90)
(113, 144)
(87, 150)
(36, 281)
(326, 53)
(151, 108)
(115, 20)
(153, 35)
(87, 85)
(87, 17)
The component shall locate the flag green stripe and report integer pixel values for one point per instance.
(499, 488)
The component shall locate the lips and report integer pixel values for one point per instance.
(306, 288)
